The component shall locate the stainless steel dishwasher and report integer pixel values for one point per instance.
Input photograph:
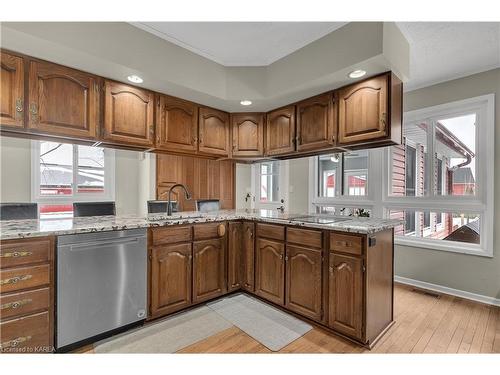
(101, 283)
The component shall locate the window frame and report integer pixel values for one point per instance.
(380, 202)
(109, 179)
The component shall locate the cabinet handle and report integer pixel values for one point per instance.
(19, 108)
(151, 130)
(251, 234)
(15, 280)
(281, 256)
(286, 258)
(194, 140)
(221, 230)
(34, 112)
(16, 304)
(16, 254)
(332, 270)
(14, 342)
(383, 119)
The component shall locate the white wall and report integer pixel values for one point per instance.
(134, 176)
(243, 185)
(298, 185)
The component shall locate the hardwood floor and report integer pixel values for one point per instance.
(425, 323)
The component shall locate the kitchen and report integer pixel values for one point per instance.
(336, 211)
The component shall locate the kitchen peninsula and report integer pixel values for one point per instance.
(333, 271)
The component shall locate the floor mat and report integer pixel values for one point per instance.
(168, 335)
(270, 326)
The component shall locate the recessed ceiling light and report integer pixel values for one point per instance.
(246, 102)
(357, 73)
(135, 79)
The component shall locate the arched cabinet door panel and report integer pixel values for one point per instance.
(270, 270)
(170, 278)
(62, 101)
(248, 134)
(346, 294)
(208, 269)
(234, 256)
(363, 111)
(128, 115)
(11, 90)
(213, 132)
(177, 125)
(280, 131)
(303, 281)
(316, 123)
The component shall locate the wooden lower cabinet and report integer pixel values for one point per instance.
(345, 282)
(209, 277)
(171, 284)
(27, 295)
(248, 256)
(270, 270)
(234, 256)
(303, 281)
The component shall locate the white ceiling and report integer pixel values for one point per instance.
(241, 43)
(441, 51)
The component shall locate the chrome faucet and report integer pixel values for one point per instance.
(169, 206)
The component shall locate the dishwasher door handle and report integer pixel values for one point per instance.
(118, 241)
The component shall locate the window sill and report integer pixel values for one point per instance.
(442, 245)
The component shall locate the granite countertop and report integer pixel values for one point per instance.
(12, 229)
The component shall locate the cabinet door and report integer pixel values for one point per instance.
(226, 184)
(303, 281)
(63, 101)
(234, 254)
(248, 134)
(213, 132)
(168, 169)
(280, 131)
(11, 90)
(316, 123)
(208, 269)
(346, 294)
(270, 270)
(170, 278)
(248, 254)
(363, 111)
(177, 125)
(128, 114)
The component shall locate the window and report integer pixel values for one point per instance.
(343, 174)
(442, 147)
(64, 173)
(432, 182)
(269, 182)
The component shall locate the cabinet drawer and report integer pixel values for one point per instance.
(207, 231)
(174, 234)
(346, 243)
(19, 252)
(13, 279)
(304, 237)
(276, 232)
(22, 303)
(26, 335)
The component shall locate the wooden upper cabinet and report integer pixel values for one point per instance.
(364, 111)
(280, 131)
(227, 184)
(176, 125)
(346, 294)
(248, 134)
(62, 101)
(303, 281)
(270, 270)
(128, 115)
(213, 132)
(316, 123)
(170, 278)
(208, 269)
(11, 90)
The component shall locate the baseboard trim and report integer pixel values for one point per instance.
(445, 290)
